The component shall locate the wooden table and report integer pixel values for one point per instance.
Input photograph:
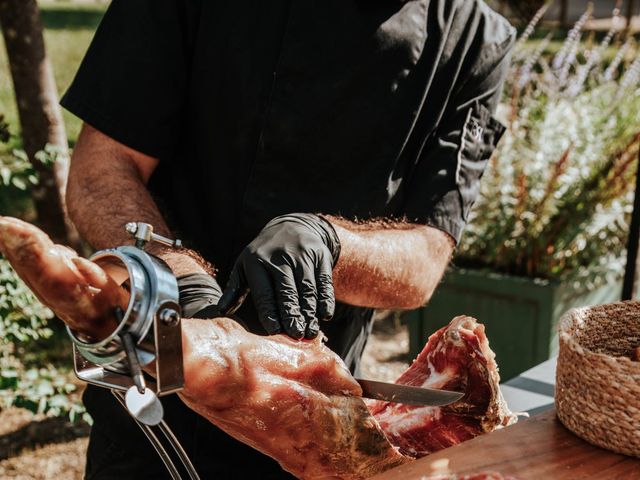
(538, 448)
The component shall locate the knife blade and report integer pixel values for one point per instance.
(409, 395)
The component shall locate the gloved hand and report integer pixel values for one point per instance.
(288, 270)
(199, 295)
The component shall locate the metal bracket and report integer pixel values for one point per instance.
(148, 334)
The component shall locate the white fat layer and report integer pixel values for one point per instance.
(437, 379)
(398, 422)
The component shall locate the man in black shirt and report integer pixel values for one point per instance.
(259, 132)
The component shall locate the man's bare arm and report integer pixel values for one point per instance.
(396, 265)
(384, 266)
(107, 189)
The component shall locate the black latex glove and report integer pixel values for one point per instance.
(288, 270)
(199, 295)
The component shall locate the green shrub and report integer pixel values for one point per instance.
(33, 372)
(28, 377)
(557, 197)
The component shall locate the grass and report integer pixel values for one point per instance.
(69, 28)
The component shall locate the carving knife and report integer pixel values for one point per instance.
(392, 392)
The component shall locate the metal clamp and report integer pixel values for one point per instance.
(148, 331)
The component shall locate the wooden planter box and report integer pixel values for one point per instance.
(520, 314)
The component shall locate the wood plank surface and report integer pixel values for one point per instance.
(538, 448)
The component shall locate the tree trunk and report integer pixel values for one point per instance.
(564, 13)
(630, 11)
(40, 115)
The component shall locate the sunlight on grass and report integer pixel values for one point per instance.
(70, 47)
(69, 28)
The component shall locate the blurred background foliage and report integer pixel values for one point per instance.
(34, 354)
(557, 197)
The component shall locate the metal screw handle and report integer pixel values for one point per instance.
(143, 234)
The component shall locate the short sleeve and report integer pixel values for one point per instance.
(132, 82)
(446, 180)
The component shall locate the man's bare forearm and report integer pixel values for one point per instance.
(389, 265)
(107, 189)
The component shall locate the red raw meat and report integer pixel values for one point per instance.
(457, 357)
(292, 400)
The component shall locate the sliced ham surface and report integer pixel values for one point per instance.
(457, 357)
(292, 400)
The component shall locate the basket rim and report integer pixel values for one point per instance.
(569, 318)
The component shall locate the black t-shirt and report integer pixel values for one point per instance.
(255, 109)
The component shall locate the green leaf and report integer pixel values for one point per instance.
(19, 183)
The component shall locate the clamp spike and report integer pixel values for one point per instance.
(143, 234)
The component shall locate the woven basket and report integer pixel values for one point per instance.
(597, 382)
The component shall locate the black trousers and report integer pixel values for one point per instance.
(118, 450)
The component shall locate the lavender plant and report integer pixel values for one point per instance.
(556, 200)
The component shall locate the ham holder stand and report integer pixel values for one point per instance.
(148, 334)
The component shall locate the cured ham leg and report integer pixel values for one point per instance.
(77, 290)
(292, 400)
